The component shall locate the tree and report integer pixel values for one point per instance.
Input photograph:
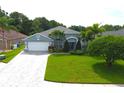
(5, 25)
(58, 37)
(87, 35)
(44, 23)
(77, 28)
(91, 32)
(53, 23)
(21, 22)
(110, 48)
(40, 24)
(96, 28)
(66, 46)
(2, 13)
(36, 25)
(108, 27)
(78, 45)
(117, 27)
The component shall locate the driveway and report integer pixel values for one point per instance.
(26, 69)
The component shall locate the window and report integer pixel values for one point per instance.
(72, 43)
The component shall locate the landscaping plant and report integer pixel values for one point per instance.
(78, 45)
(110, 48)
(66, 46)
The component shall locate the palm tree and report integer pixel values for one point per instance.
(96, 28)
(91, 32)
(58, 37)
(5, 25)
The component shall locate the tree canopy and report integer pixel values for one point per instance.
(90, 32)
(77, 28)
(28, 26)
(109, 47)
(5, 25)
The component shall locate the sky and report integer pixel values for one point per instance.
(70, 12)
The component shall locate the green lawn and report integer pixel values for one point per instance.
(11, 54)
(83, 69)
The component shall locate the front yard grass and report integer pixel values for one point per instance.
(11, 54)
(83, 69)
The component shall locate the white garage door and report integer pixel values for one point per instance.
(38, 46)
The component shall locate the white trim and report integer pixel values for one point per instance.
(36, 34)
(46, 37)
(73, 38)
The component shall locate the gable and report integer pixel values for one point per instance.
(38, 38)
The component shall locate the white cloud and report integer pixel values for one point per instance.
(70, 12)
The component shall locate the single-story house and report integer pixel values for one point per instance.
(41, 41)
(11, 38)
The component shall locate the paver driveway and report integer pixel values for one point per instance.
(26, 69)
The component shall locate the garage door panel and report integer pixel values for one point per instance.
(38, 46)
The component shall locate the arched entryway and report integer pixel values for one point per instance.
(72, 42)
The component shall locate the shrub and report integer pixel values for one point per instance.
(110, 47)
(76, 52)
(66, 46)
(58, 50)
(78, 45)
(12, 47)
(51, 49)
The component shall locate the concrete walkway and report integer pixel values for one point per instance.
(27, 70)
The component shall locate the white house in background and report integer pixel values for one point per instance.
(41, 41)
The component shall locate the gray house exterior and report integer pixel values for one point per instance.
(41, 41)
(115, 33)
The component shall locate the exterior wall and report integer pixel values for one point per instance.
(0, 44)
(9, 43)
(60, 44)
(16, 41)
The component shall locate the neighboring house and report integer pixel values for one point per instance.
(11, 38)
(41, 41)
(116, 33)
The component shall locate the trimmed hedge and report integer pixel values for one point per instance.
(76, 52)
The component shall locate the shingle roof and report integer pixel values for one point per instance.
(61, 28)
(11, 35)
(118, 32)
